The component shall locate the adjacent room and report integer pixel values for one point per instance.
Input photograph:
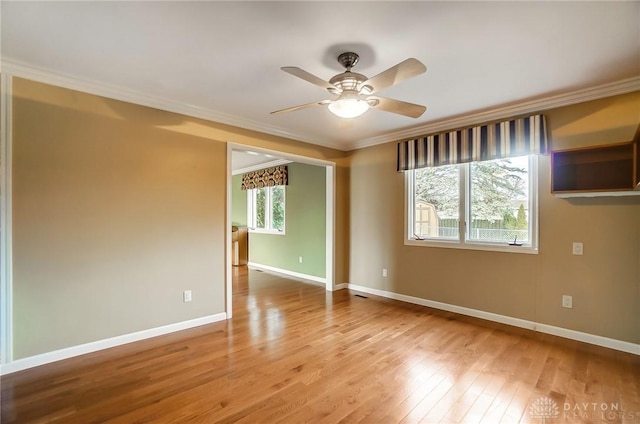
(282, 227)
(372, 212)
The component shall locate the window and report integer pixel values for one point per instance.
(265, 209)
(488, 205)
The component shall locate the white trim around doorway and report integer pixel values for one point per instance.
(6, 260)
(330, 213)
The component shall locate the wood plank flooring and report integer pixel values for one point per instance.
(294, 353)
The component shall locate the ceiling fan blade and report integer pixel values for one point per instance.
(402, 71)
(396, 106)
(301, 73)
(305, 106)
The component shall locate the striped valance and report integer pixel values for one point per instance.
(268, 177)
(517, 137)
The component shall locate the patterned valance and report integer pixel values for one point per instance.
(267, 177)
(517, 137)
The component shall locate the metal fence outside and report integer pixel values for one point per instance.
(477, 234)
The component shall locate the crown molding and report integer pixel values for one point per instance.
(538, 105)
(27, 71)
(23, 70)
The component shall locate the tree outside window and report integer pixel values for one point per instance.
(266, 209)
(488, 202)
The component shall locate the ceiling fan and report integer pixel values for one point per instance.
(355, 90)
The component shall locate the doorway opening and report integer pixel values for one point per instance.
(242, 158)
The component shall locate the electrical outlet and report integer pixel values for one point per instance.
(186, 296)
(577, 248)
(567, 301)
(384, 272)
(300, 259)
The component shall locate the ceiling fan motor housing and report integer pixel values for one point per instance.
(348, 81)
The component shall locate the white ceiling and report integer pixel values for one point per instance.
(248, 160)
(222, 59)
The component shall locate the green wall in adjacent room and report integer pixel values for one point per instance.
(305, 224)
(238, 203)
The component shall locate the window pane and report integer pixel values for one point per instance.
(261, 196)
(500, 200)
(277, 207)
(436, 202)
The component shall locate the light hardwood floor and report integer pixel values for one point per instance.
(294, 353)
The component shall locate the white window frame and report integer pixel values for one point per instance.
(462, 242)
(252, 216)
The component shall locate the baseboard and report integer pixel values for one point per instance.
(503, 319)
(341, 286)
(70, 352)
(589, 338)
(516, 322)
(286, 273)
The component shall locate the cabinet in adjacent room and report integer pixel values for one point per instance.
(239, 245)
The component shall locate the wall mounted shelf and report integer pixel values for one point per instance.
(607, 170)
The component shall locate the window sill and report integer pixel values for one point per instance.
(269, 232)
(446, 244)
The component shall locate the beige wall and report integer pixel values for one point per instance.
(604, 282)
(113, 219)
(117, 209)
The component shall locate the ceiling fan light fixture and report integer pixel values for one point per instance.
(354, 90)
(348, 107)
